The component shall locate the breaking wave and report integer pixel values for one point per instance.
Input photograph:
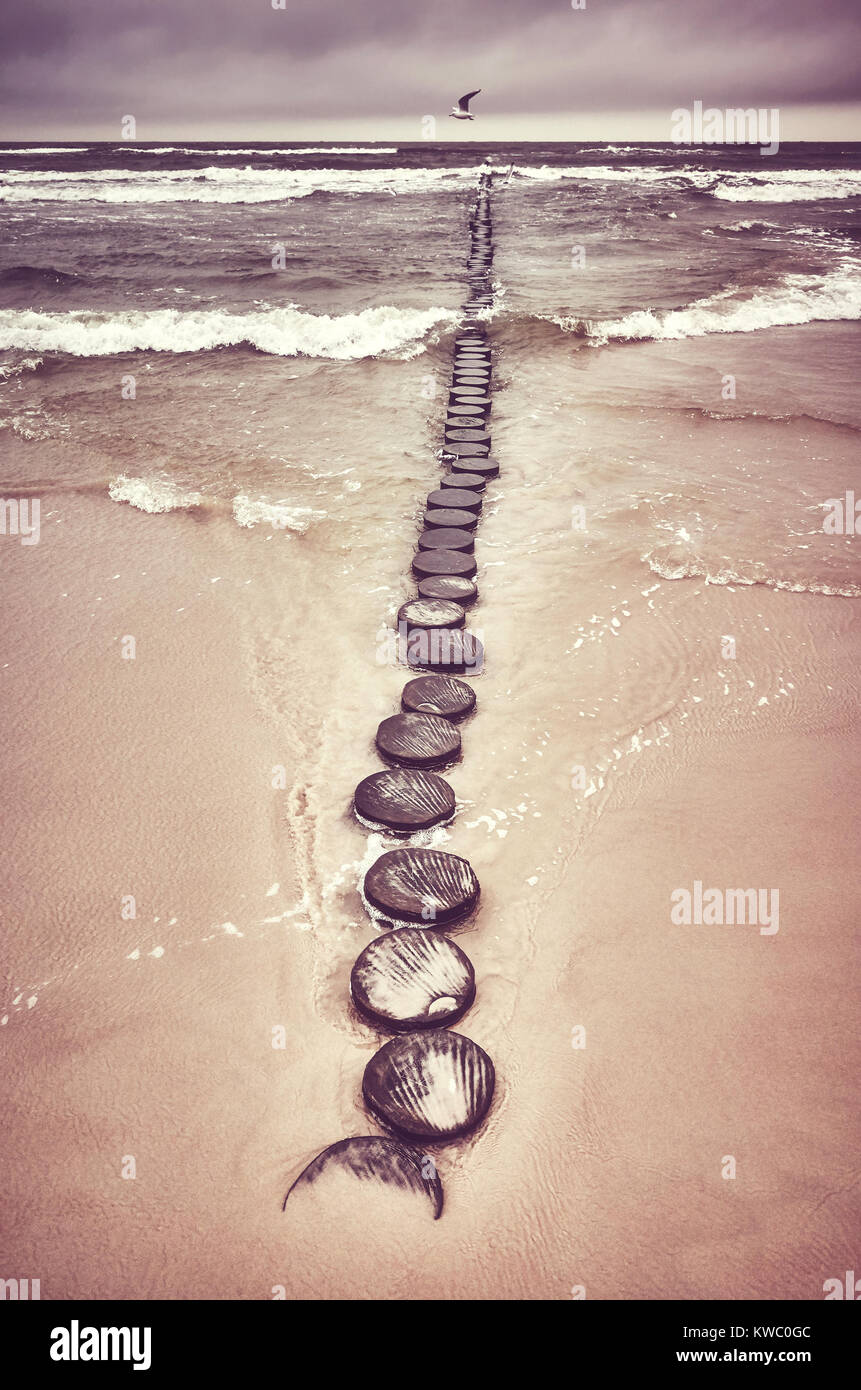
(669, 566)
(788, 185)
(750, 224)
(284, 332)
(48, 149)
(8, 370)
(248, 184)
(153, 494)
(157, 495)
(294, 150)
(776, 186)
(797, 299)
(253, 185)
(250, 511)
(609, 173)
(217, 185)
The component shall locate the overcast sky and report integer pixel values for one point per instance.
(372, 69)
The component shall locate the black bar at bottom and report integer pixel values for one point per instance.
(290, 1339)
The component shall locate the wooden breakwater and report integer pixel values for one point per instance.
(428, 1085)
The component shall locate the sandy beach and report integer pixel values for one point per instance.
(194, 665)
(601, 1165)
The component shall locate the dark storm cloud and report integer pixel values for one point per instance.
(175, 60)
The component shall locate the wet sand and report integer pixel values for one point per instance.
(600, 1166)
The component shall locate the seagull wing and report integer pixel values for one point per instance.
(463, 102)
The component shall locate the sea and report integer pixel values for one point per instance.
(201, 325)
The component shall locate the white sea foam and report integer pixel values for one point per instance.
(298, 149)
(629, 149)
(751, 224)
(609, 173)
(788, 185)
(253, 185)
(47, 149)
(27, 426)
(669, 567)
(216, 185)
(775, 186)
(250, 511)
(158, 494)
(284, 332)
(330, 149)
(12, 369)
(796, 299)
(152, 494)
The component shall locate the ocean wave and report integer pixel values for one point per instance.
(36, 276)
(669, 566)
(157, 495)
(611, 173)
(153, 494)
(767, 417)
(48, 149)
(750, 224)
(8, 370)
(775, 186)
(250, 511)
(218, 185)
(285, 332)
(663, 151)
(330, 149)
(294, 150)
(248, 184)
(788, 185)
(32, 425)
(796, 300)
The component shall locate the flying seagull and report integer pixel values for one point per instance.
(461, 112)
